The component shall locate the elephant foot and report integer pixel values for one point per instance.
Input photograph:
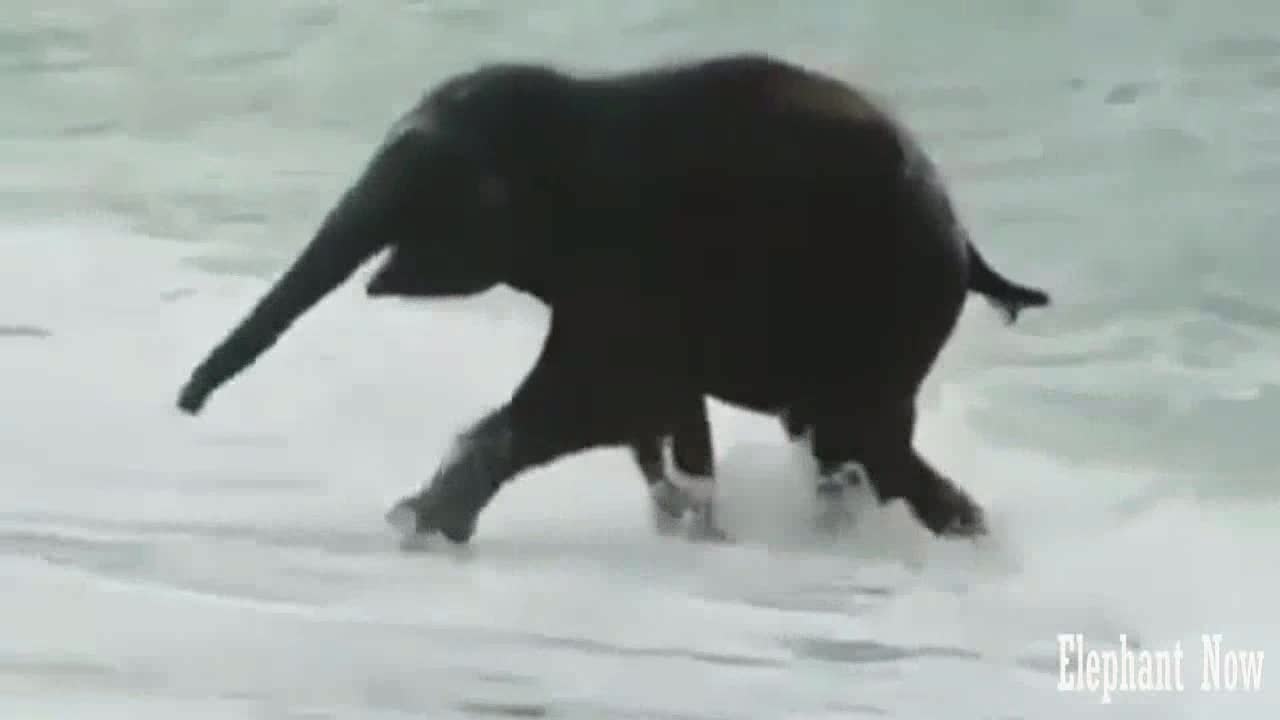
(419, 516)
(450, 505)
(704, 528)
(667, 505)
(463, 485)
(703, 525)
(847, 475)
(833, 513)
(967, 518)
(950, 512)
(833, 516)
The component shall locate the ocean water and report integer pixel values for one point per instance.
(160, 163)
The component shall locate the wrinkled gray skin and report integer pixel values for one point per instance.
(482, 183)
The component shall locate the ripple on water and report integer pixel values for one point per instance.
(1128, 93)
(869, 651)
(1231, 48)
(482, 708)
(90, 129)
(24, 331)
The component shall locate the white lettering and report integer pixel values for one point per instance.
(1110, 675)
(1116, 670)
(1066, 643)
(1176, 670)
(1229, 669)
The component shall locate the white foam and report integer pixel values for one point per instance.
(158, 561)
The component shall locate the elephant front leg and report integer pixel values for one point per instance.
(592, 386)
(481, 460)
(667, 503)
(537, 427)
(691, 487)
(559, 409)
(694, 460)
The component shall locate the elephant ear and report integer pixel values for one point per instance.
(462, 236)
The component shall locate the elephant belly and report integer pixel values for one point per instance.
(755, 350)
(767, 346)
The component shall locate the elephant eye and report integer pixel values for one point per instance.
(493, 191)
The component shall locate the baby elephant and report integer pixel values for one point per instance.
(737, 227)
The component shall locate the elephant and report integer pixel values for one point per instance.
(737, 227)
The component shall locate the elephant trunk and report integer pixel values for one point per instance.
(347, 238)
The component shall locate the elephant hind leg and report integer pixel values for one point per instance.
(874, 442)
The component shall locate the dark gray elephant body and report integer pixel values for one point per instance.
(738, 228)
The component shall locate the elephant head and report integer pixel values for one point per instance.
(430, 196)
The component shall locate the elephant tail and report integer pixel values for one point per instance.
(1008, 296)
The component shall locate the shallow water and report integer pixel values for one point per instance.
(159, 163)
